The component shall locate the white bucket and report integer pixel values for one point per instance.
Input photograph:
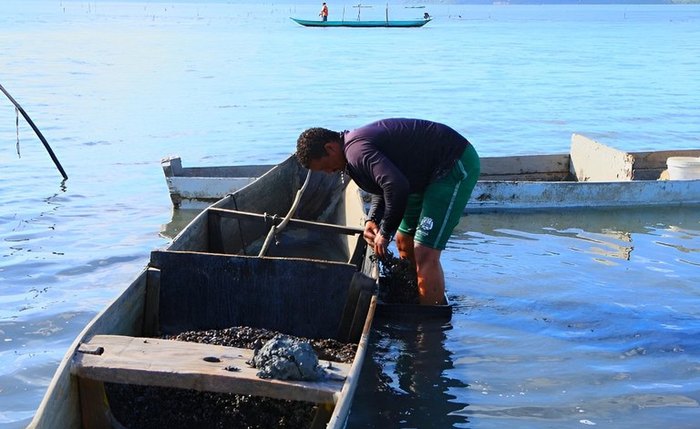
(683, 168)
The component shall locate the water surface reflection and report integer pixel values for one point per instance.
(406, 381)
(577, 318)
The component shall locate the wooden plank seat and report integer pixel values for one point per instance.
(202, 367)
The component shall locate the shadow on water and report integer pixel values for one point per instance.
(404, 381)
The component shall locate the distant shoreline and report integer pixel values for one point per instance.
(540, 2)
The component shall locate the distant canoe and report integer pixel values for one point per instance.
(385, 23)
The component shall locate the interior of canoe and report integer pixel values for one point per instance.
(241, 222)
(193, 291)
(200, 291)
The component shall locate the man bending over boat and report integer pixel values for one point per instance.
(420, 174)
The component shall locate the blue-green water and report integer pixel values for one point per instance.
(562, 319)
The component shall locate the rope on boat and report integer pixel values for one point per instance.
(275, 229)
(240, 231)
(38, 133)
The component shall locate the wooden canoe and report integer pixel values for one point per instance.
(412, 23)
(226, 269)
(591, 175)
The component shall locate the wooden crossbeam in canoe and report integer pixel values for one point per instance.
(187, 365)
(318, 226)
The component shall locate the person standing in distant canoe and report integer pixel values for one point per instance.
(420, 174)
(324, 12)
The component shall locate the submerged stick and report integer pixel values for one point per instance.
(38, 133)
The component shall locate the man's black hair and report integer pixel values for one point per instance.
(310, 144)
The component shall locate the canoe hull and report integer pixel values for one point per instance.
(198, 283)
(363, 24)
(60, 406)
(492, 196)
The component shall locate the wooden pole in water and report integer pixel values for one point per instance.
(38, 133)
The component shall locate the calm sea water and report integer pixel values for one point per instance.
(562, 319)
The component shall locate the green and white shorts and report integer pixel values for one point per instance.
(431, 216)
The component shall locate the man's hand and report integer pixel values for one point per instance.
(371, 231)
(380, 245)
(372, 236)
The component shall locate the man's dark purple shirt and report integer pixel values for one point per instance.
(393, 158)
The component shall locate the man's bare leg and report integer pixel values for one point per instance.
(404, 243)
(431, 279)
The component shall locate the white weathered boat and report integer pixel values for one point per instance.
(591, 175)
(252, 259)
